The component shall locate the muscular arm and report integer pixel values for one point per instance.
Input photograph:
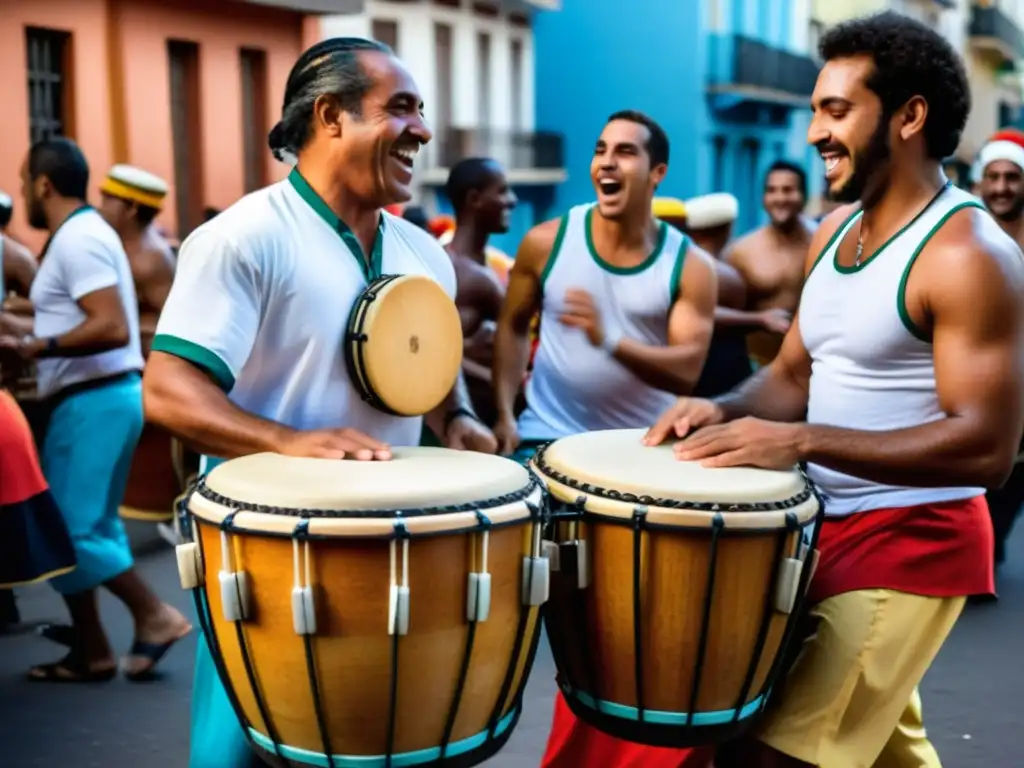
(19, 267)
(183, 399)
(677, 366)
(458, 400)
(153, 278)
(969, 284)
(522, 301)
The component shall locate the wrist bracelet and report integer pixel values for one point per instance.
(456, 413)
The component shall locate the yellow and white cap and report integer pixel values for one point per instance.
(668, 208)
(714, 210)
(130, 183)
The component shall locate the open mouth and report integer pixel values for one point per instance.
(832, 162)
(609, 186)
(406, 156)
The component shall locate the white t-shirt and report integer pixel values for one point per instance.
(261, 301)
(83, 256)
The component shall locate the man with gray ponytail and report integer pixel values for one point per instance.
(247, 355)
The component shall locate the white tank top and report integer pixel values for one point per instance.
(872, 368)
(576, 387)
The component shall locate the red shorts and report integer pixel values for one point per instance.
(574, 744)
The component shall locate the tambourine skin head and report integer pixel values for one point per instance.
(412, 352)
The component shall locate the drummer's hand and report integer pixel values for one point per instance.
(687, 414)
(746, 442)
(335, 444)
(581, 312)
(467, 434)
(506, 431)
(776, 320)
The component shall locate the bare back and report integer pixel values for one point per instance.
(152, 264)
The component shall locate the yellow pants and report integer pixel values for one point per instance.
(851, 698)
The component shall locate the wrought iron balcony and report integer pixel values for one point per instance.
(537, 157)
(755, 71)
(993, 30)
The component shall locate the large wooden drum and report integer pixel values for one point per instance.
(674, 588)
(160, 472)
(370, 613)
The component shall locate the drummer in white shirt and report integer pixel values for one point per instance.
(248, 351)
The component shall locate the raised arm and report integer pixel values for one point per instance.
(19, 266)
(677, 366)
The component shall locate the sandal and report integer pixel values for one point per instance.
(153, 652)
(71, 669)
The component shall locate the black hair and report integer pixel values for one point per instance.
(789, 167)
(6, 209)
(415, 214)
(61, 161)
(911, 59)
(144, 214)
(468, 175)
(329, 67)
(209, 212)
(657, 143)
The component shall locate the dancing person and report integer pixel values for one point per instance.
(274, 278)
(483, 202)
(84, 338)
(627, 306)
(131, 199)
(771, 258)
(900, 384)
(17, 265)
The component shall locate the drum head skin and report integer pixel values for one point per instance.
(413, 350)
(414, 478)
(618, 460)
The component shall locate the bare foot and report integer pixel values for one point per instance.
(153, 638)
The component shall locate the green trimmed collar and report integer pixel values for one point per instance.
(371, 267)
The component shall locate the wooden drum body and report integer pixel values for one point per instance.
(404, 328)
(370, 613)
(161, 470)
(675, 588)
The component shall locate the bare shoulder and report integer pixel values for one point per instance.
(151, 264)
(739, 250)
(700, 274)
(971, 256)
(537, 246)
(16, 250)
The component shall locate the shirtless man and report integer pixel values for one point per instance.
(1001, 188)
(627, 307)
(131, 199)
(17, 265)
(900, 387)
(771, 259)
(483, 201)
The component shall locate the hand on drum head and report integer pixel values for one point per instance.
(506, 432)
(688, 414)
(466, 434)
(335, 444)
(746, 442)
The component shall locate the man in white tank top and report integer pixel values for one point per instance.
(900, 385)
(626, 304)
(248, 351)
(626, 311)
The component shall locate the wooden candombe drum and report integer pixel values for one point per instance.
(161, 470)
(402, 329)
(674, 589)
(380, 613)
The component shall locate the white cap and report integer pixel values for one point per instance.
(712, 210)
(1000, 150)
(5, 200)
(131, 183)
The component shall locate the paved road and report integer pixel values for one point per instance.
(971, 694)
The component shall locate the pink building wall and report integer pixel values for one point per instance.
(119, 61)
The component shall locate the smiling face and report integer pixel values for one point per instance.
(851, 131)
(1002, 190)
(377, 148)
(494, 202)
(621, 169)
(783, 197)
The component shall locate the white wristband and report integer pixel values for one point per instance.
(611, 341)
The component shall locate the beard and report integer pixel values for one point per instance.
(1013, 213)
(37, 215)
(870, 169)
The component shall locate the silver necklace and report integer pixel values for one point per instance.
(860, 247)
(860, 232)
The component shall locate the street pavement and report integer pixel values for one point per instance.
(971, 694)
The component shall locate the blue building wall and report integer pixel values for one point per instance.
(593, 57)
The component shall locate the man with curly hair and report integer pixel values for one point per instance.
(899, 384)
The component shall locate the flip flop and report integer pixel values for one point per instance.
(70, 670)
(61, 634)
(154, 652)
